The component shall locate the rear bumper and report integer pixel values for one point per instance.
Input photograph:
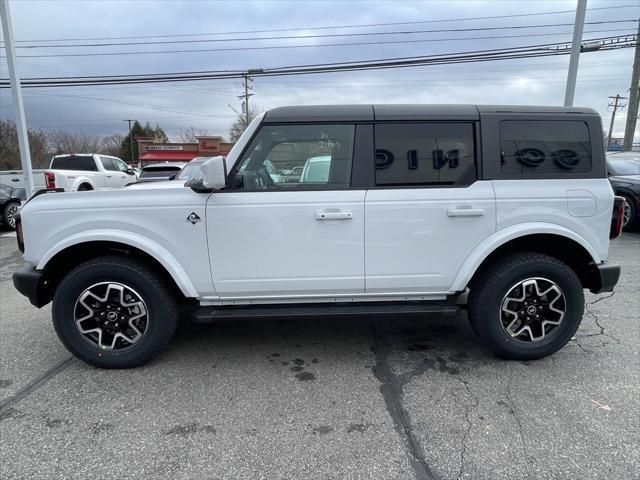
(32, 284)
(605, 277)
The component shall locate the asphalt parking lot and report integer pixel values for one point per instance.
(382, 397)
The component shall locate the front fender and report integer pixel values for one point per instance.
(158, 252)
(482, 251)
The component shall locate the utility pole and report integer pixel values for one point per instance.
(570, 90)
(246, 83)
(615, 106)
(16, 92)
(131, 140)
(634, 99)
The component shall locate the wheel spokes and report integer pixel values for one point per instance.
(111, 315)
(532, 309)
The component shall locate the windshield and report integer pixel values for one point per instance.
(190, 172)
(624, 166)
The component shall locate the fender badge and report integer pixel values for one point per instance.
(193, 218)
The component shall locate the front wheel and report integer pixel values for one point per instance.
(114, 312)
(526, 306)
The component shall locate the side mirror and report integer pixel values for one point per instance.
(130, 171)
(214, 173)
(171, 177)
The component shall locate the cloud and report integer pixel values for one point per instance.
(101, 110)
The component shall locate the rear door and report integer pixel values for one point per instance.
(427, 210)
(274, 235)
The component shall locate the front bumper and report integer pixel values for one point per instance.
(605, 277)
(32, 284)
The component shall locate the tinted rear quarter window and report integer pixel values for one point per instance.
(543, 147)
(424, 154)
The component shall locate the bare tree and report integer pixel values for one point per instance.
(189, 134)
(61, 141)
(10, 150)
(112, 145)
(241, 123)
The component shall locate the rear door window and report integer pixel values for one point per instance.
(75, 162)
(424, 154)
(542, 147)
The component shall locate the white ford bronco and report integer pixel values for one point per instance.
(359, 209)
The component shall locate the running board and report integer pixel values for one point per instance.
(250, 312)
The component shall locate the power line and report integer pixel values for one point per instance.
(280, 47)
(542, 50)
(327, 35)
(292, 29)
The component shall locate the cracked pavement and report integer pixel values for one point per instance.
(383, 397)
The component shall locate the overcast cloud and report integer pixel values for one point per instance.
(101, 110)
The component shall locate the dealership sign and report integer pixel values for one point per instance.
(164, 147)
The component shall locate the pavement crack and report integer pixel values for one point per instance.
(513, 412)
(392, 390)
(467, 413)
(597, 321)
(35, 384)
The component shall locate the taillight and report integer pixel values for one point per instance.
(50, 179)
(617, 217)
(19, 235)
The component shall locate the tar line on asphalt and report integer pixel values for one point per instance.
(391, 390)
(35, 384)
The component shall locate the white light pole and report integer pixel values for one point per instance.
(16, 93)
(569, 92)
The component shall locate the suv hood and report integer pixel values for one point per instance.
(156, 185)
(634, 179)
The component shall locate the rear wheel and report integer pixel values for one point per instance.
(526, 305)
(114, 312)
(9, 215)
(629, 214)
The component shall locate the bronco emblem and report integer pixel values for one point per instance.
(193, 218)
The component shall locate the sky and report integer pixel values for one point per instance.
(101, 110)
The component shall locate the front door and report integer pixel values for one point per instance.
(115, 177)
(289, 226)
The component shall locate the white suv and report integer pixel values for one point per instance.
(421, 204)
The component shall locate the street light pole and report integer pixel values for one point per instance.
(570, 90)
(634, 98)
(16, 93)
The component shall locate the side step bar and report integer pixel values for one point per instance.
(252, 312)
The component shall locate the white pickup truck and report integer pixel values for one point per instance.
(81, 172)
(411, 208)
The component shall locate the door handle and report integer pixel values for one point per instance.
(108, 176)
(465, 212)
(333, 215)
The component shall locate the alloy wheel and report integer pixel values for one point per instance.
(12, 211)
(111, 316)
(532, 309)
(626, 212)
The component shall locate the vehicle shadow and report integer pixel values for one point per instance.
(448, 335)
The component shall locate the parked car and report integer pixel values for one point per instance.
(422, 205)
(10, 200)
(316, 170)
(160, 171)
(81, 172)
(192, 170)
(624, 174)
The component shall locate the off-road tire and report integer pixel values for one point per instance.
(492, 285)
(159, 299)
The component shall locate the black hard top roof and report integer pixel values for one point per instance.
(364, 113)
